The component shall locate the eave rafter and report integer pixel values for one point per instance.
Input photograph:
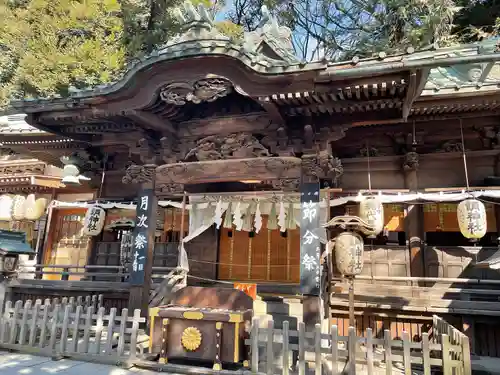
(273, 110)
(151, 121)
(417, 80)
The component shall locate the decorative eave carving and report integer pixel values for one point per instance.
(204, 90)
(139, 174)
(319, 139)
(369, 151)
(233, 146)
(169, 189)
(404, 142)
(285, 184)
(279, 143)
(20, 168)
(490, 136)
(451, 146)
(264, 168)
(411, 161)
(323, 166)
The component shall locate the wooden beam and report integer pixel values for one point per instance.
(342, 104)
(33, 121)
(410, 95)
(486, 72)
(323, 84)
(472, 188)
(415, 87)
(453, 100)
(112, 139)
(263, 168)
(47, 181)
(151, 121)
(430, 118)
(272, 109)
(250, 122)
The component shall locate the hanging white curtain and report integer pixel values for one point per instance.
(201, 217)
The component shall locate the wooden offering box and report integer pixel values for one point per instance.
(205, 324)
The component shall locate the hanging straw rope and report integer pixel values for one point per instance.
(369, 170)
(464, 156)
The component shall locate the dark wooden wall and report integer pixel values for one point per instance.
(437, 170)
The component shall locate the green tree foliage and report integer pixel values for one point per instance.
(477, 19)
(340, 29)
(47, 46)
(52, 45)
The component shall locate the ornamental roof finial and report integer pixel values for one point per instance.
(192, 18)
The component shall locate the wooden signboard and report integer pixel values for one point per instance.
(141, 239)
(310, 247)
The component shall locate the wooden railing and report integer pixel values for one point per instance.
(272, 349)
(71, 330)
(164, 255)
(91, 272)
(440, 327)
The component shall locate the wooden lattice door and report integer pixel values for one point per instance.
(66, 244)
(267, 256)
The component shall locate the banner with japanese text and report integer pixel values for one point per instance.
(310, 246)
(144, 211)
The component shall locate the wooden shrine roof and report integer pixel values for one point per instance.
(201, 74)
(202, 94)
(19, 174)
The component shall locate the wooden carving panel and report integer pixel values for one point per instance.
(266, 168)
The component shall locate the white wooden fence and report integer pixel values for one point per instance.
(442, 328)
(76, 331)
(317, 352)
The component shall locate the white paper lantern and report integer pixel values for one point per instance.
(471, 215)
(6, 207)
(34, 208)
(371, 210)
(349, 249)
(18, 207)
(94, 221)
(29, 206)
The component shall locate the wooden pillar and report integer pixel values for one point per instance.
(414, 227)
(468, 327)
(143, 242)
(497, 206)
(312, 304)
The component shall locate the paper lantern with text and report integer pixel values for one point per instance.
(349, 249)
(94, 221)
(371, 210)
(18, 207)
(6, 207)
(471, 215)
